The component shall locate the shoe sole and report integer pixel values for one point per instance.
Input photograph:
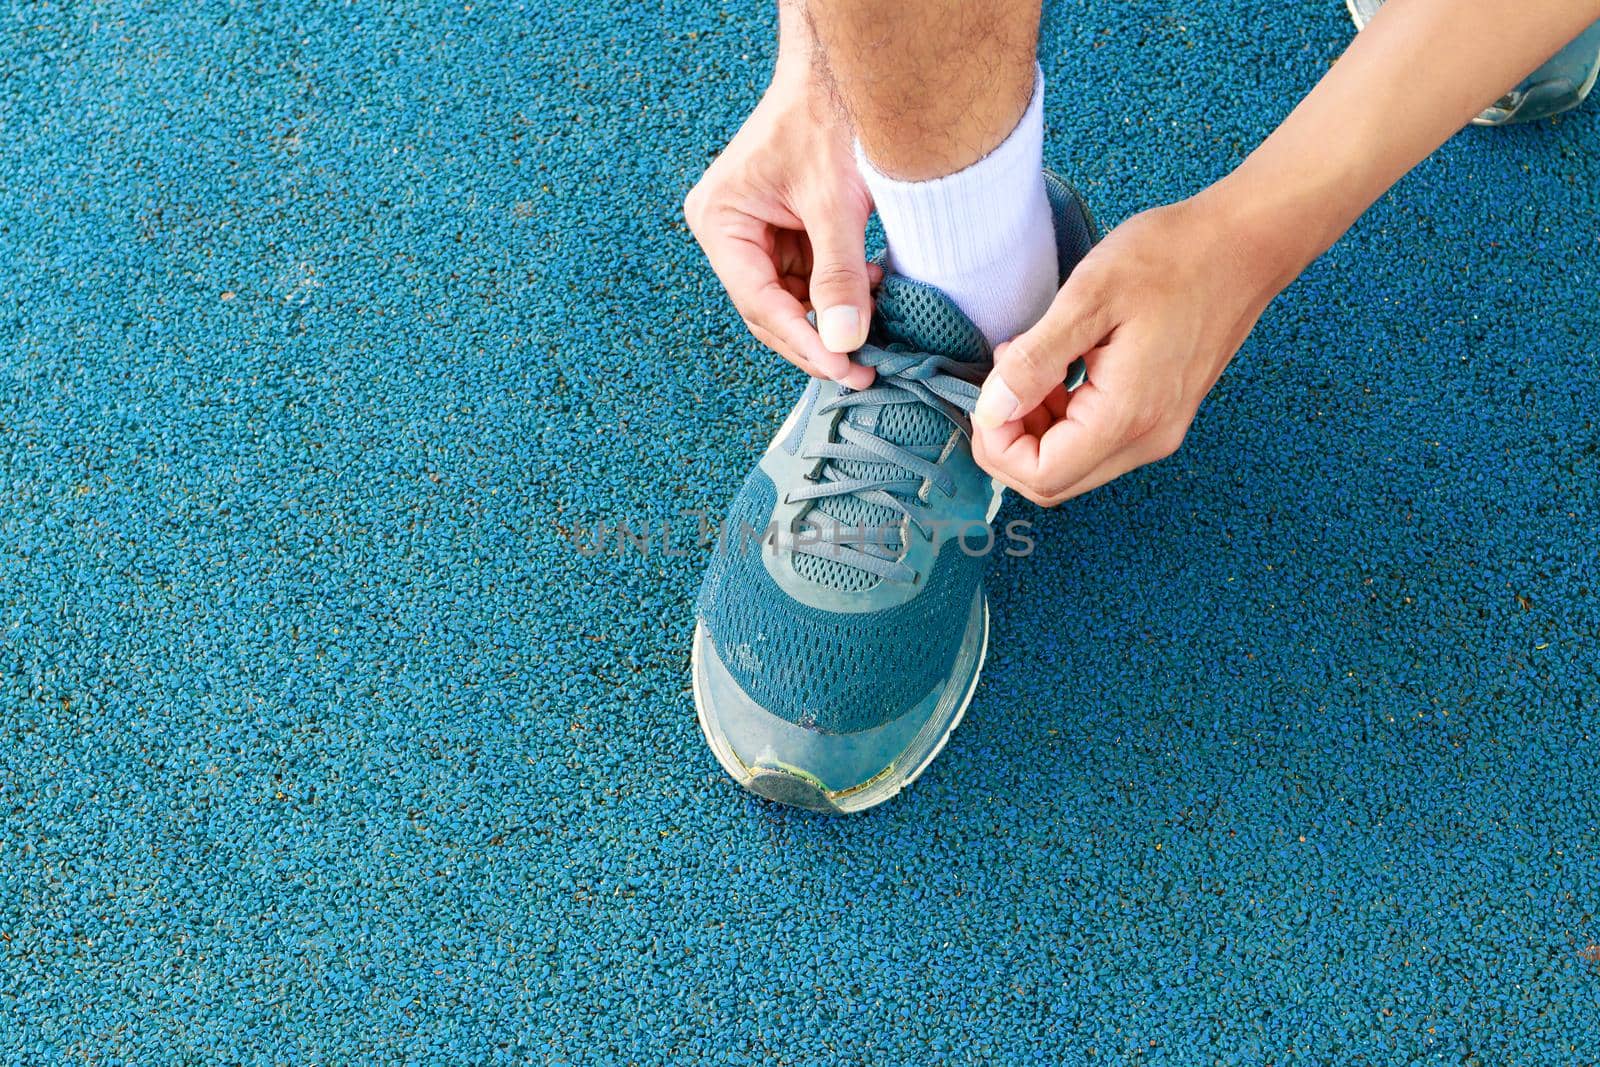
(796, 789)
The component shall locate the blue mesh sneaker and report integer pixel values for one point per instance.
(842, 623)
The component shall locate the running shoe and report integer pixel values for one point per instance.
(842, 624)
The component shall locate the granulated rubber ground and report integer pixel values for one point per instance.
(322, 327)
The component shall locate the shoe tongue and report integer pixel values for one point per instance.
(923, 319)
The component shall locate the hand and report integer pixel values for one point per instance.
(1156, 310)
(782, 216)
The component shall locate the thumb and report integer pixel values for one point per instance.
(1029, 367)
(839, 290)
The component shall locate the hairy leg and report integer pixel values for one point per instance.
(931, 86)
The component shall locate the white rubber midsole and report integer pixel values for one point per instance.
(996, 498)
(740, 773)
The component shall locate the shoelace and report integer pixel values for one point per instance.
(904, 377)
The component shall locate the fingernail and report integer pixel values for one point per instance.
(996, 403)
(841, 329)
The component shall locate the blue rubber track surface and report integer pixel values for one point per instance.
(321, 328)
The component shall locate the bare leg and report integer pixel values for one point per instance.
(931, 86)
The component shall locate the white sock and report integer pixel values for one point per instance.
(984, 235)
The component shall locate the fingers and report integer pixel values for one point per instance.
(841, 281)
(1133, 457)
(858, 377)
(763, 265)
(840, 287)
(1040, 466)
(1027, 431)
(1032, 365)
(1053, 458)
(773, 313)
(1141, 452)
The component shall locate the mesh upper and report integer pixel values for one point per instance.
(1076, 231)
(836, 672)
(925, 320)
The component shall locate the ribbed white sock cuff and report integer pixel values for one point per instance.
(984, 235)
